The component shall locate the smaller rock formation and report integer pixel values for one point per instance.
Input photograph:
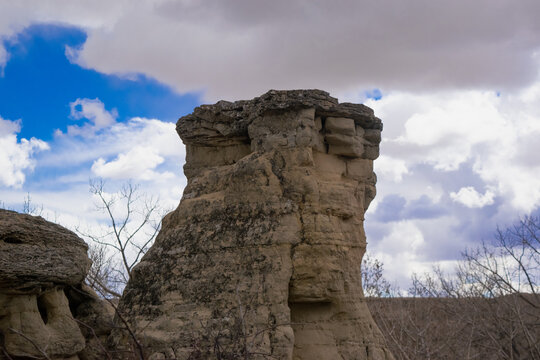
(42, 269)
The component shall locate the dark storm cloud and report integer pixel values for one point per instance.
(242, 48)
(394, 207)
(390, 208)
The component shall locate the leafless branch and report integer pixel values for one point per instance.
(133, 222)
(39, 349)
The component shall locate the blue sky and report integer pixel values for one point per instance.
(39, 82)
(95, 90)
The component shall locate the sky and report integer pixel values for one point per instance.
(93, 89)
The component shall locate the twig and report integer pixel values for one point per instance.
(128, 329)
(45, 356)
(96, 337)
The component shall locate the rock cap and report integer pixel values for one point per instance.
(36, 253)
(230, 120)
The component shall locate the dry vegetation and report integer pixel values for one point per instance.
(488, 309)
(466, 328)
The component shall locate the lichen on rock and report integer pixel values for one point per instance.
(262, 256)
(43, 300)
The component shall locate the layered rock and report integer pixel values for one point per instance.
(262, 256)
(42, 269)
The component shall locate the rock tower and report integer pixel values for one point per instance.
(262, 257)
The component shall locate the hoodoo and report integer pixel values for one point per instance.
(262, 257)
(46, 310)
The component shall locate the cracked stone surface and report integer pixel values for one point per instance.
(42, 296)
(263, 253)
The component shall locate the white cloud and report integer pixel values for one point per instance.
(92, 110)
(237, 49)
(399, 251)
(16, 156)
(471, 198)
(140, 149)
(138, 163)
(119, 138)
(8, 127)
(391, 167)
(495, 133)
(3, 59)
(450, 124)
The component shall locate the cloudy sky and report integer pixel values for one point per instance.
(92, 89)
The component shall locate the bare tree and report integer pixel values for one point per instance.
(511, 264)
(133, 221)
(374, 283)
(508, 271)
(488, 308)
(30, 208)
(104, 276)
(495, 291)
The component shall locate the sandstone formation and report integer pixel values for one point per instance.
(42, 268)
(261, 259)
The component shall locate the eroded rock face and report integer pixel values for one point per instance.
(263, 254)
(37, 253)
(42, 268)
